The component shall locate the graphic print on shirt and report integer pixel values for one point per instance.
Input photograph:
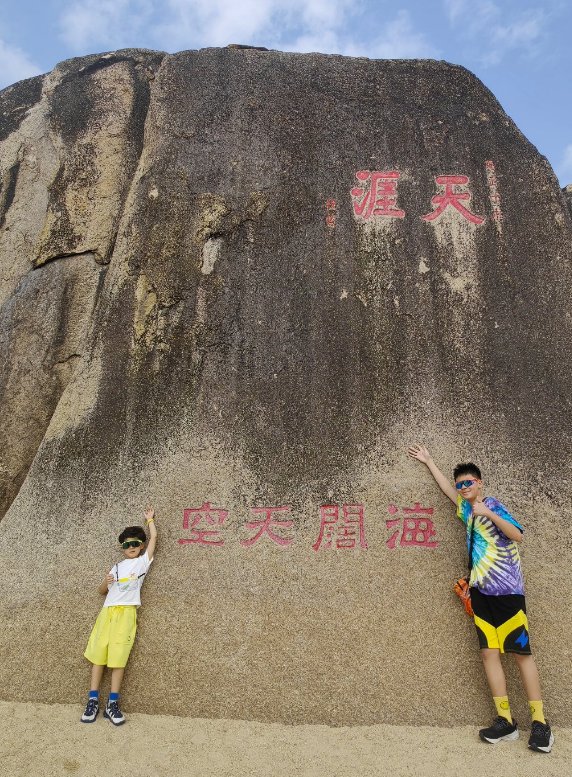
(128, 583)
(496, 561)
(128, 577)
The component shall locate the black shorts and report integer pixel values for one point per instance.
(501, 622)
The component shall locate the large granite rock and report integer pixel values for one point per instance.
(567, 190)
(236, 280)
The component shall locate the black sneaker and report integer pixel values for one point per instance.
(541, 737)
(91, 710)
(114, 714)
(499, 731)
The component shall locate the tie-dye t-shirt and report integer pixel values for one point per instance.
(496, 561)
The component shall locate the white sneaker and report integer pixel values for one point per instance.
(91, 710)
(114, 714)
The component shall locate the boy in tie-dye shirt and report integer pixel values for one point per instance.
(496, 567)
(497, 597)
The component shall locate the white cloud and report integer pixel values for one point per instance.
(473, 16)
(522, 33)
(497, 31)
(108, 24)
(273, 23)
(178, 24)
(191, 23)
(325, 42)
(396, 41)
(328, 26)
(15, 65)
(292, 25)
(400, 41)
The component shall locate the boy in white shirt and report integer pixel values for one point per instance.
(114, 632)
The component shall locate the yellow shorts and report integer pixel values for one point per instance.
(501, 622)
(112, 636)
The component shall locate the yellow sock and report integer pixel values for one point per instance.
(503, 708)
(537, 711)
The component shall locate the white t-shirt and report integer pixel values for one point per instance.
(129, 575)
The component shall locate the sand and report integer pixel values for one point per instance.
(41, 740)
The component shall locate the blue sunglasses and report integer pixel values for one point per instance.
(464, 484)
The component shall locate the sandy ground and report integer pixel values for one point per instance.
(38, 740)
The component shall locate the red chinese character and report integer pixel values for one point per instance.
(380, 199)
(416, 531)
(452, 198)
(489, 164)
(207, 514)
(331, 220)
(417, 509)
(391, 525)
(330, 205)
(346, 531)
(265, 525)
(497, 215)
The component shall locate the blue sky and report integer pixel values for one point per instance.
(520, 49)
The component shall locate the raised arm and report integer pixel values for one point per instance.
(422, 454)
(150, 520)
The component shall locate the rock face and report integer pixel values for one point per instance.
(568, 195)
(237, 284)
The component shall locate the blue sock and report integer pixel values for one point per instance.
(113, 696)
(94, 694)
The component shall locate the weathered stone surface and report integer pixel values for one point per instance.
(220, 331)
(568, 195)
(67, 164)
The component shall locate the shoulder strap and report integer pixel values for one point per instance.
(117, 571)
(471, 542)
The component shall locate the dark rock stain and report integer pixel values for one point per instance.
(16, 101)
(7, 196)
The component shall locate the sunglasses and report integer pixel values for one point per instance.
(464, 484)
(131, 544)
